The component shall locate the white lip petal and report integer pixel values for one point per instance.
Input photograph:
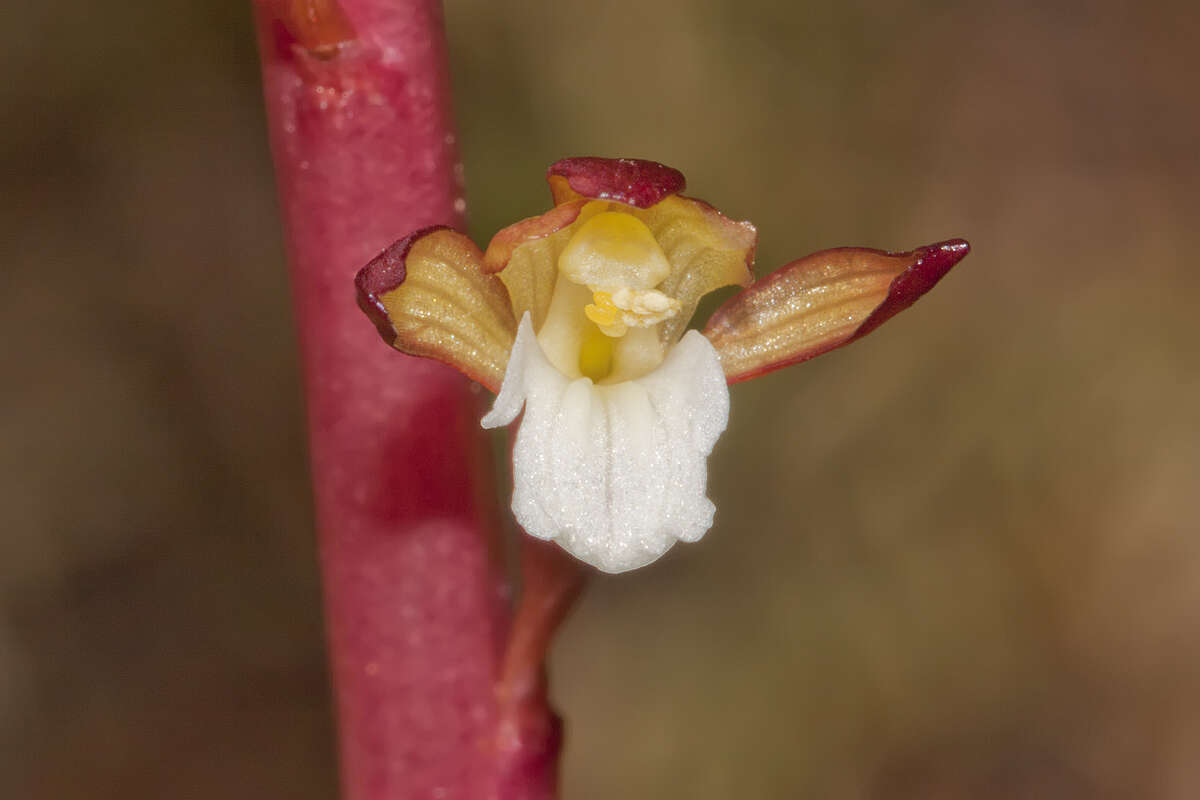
(615, 474)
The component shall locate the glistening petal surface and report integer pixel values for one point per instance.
(821, 302)
(707, 251)
(428, 295)
(615, 474)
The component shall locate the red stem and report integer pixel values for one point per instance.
(358, 104)
(528, 737)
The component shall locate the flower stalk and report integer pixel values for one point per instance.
(416, 602)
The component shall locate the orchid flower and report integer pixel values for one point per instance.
(580, 317)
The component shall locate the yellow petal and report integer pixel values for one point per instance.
(706, 250)
(527, 256)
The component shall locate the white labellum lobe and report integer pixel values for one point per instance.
(615, 474)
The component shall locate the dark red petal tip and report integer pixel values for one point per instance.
(632, 181)
(381, 275)
(932, 264)
(821, 302)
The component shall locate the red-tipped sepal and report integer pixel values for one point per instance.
(821, 302)
(428, 295)
(632, 181)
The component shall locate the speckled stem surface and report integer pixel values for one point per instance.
(416, 606)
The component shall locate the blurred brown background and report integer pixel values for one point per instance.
(958, 559)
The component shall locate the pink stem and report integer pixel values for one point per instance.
(416, 604)
(551, 583)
